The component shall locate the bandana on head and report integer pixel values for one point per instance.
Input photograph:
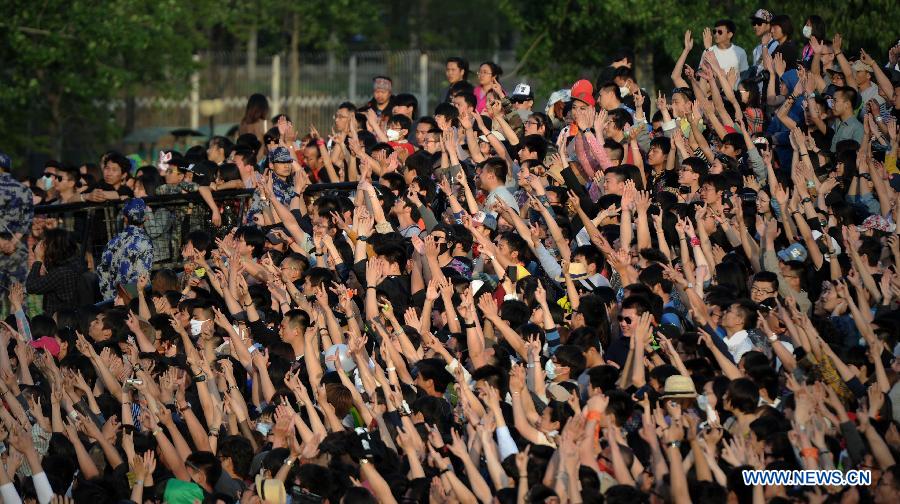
(381, 83)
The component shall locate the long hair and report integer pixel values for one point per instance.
(59, 246)
(257, 109)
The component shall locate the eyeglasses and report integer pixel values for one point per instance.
(758, 290)
(685, 169)
(627, 320)
(531, 123)
(720, 32)
(757, 22)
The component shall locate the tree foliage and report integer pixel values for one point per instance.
(64, 60)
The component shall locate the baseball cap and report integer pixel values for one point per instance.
(761, 15)
(47, 343)
(859, 66)
(583, 90)
(5, 161)
(795, 252)
(560, 95)
(877, 223)
(521, 93)
(281, 155)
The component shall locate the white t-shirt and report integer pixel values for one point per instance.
(727, 58)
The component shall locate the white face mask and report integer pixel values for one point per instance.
(47, 182)
(624, 91)
(196, 325)
(550, 369)
(393, 135)
(807, 31)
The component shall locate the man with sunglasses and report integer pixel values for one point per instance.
(727, 54)
(760, 21)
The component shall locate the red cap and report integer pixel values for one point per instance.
(584, 91)
(47, 343)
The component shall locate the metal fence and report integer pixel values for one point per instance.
(323, 81)
(171, 218)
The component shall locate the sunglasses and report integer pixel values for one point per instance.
(758, 23)
(627, 320)
(720, 32)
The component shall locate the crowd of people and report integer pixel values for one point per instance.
(618, 298)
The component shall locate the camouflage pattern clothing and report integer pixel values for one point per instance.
(179, 188)
(17, 203)
(127, 255)
(284, 192)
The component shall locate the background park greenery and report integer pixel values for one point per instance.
(63, 61)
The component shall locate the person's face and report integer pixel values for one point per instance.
(687, 176)
(421, 132)
(381, 96)
(215, 154)
(173, 175)
(680, 105)
(532, 126)
(460, 103)
(863, 77)
(113, 174)
(721, 35)
(311, 156)
(63, 182)
(283, 170)
(777, 33)
(523, 105)
(485, 76)
(608, 100)
(732, 317)
(612, 185)
(432, 143)
(656, 156)
(95, 329)
(760, 28)
(403, 110)
(342, 120)
(453, 72)
(709, 194)
(760, 291)
(628, 320)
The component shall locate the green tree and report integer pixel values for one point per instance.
(64, 61)
(563, 40)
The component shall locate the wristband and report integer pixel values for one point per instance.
(674, 444)
(199, 378)
(812, 453)
(695, 242)
(593, 415)
(469, 325)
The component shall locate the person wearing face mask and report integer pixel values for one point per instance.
(814, 27)
(398, 128)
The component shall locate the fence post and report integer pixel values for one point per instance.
(276, 84)
(351, 84)
(423, 81)
(195, 96)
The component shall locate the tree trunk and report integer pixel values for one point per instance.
(252, 46)
(643, 72)
(294, 89)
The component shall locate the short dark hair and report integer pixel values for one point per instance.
(222, 143)
(784, 22)
(639, 304)
(447, 110)
(407, 100)
(664, 144)
(743, 395)
(468, 97)
(434, 370)
(497, 166)
(536, 144)
(698, 165)
(402, 120)
(728, 24)
(462, 63)
(616, 147)
(207, 463)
